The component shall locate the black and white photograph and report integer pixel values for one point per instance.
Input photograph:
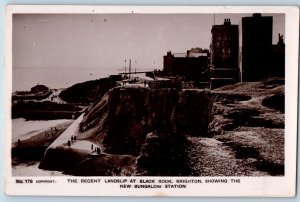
(149, 95)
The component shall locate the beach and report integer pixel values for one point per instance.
(36, 137)
(22, 129)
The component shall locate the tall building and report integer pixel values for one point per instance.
(225, 45)
(256, 47)
(224, 54)
(191, 66)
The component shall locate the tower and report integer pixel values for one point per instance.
(225, 45)
(256, 47)
(224, 54)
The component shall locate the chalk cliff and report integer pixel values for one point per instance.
(144, 131)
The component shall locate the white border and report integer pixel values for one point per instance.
(250, 186)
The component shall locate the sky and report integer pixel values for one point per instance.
(101, 42)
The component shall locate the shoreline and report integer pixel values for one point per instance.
(32, 149)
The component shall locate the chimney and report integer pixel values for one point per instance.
(227, 21)
(256, 15)
(280, 40)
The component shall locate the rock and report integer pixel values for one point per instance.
(163, 155)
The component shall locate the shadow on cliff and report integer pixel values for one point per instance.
(149, 124)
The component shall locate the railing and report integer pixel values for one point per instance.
(159, 84)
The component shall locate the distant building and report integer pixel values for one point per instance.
(224, 54)
(256, 47)
(37, 92)
(191, 66)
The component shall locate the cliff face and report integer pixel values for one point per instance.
(132, 113)
(186, 132)
(151, 125)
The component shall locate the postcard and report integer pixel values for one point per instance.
(151, 100)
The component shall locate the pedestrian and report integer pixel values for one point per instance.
(92, 147)
(69, 143)
(75, 138)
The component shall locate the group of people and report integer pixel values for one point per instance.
(95, 149)
(73, 139)
(52, 130)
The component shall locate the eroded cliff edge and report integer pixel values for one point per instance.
(170, 132)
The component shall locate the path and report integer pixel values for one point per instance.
(54, 97)
(73, 130)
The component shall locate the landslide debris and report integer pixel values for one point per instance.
(252, 128)
(230, 131)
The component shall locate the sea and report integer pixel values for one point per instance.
(23, 79)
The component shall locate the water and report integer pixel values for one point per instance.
(25, 78)
(22, 129)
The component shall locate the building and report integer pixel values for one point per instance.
(256, 47)
(190, 66)
(278, 58)
(224, 54)
(37, 92)
(225, 45)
